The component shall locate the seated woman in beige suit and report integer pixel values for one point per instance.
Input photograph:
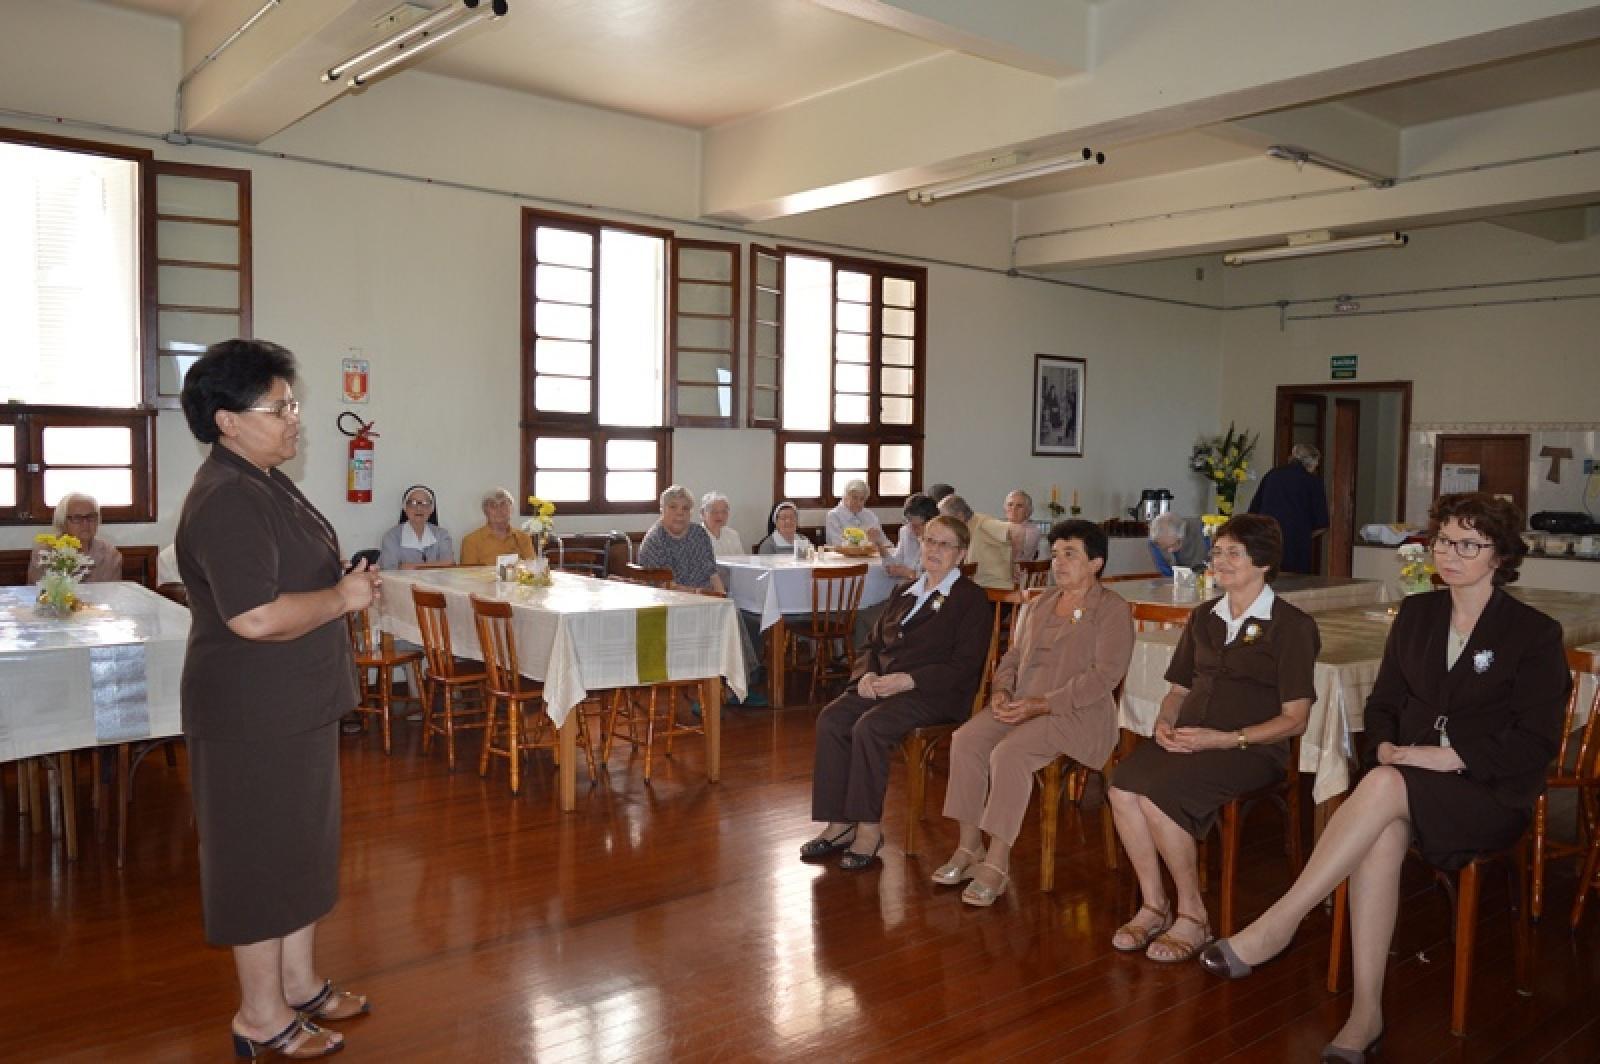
(1051, 695)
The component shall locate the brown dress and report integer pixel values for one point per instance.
(261, 718)
(1231, 686)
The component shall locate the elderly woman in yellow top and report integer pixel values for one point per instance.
(78, 515)
(1051, 695)
(484, 546)
(992, 543)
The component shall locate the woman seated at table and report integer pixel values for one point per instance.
(484, 546)
(783, 529)
(714, 511)
(852, 512)
(417, 541)
(78, 515)
(675, 542)
(1242, 686)
(905, 561)
(1025, 537)
(1051, 695)
(1177, 541)
(920, 665)
(1463, 720)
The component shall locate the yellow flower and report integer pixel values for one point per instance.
(68, 542)
(1238, 474)
(45, 539)
(1213, 520)
(1224, 507)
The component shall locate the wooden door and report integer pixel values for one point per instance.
(1341, 480)
(1499, 459)
(1300, 420)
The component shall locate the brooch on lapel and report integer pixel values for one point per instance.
(1482, 660)
(937, 603)
(1077, 615)
(1252, 632)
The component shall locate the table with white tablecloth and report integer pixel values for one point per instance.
(1313, 594)
(582, 635)
(1345, 671)
(771, 586)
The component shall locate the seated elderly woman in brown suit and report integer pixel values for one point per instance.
(1241, 681)
(921, 665)
(1051, 695)
(1462, 723)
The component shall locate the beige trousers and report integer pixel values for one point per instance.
(992, 767)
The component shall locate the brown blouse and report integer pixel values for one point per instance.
(244, 538)
(1234, 685)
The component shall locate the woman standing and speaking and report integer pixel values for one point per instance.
(267, 676)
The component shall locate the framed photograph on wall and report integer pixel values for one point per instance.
(1058, 384)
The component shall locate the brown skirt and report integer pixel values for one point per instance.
(267, 811)
(1191, 788)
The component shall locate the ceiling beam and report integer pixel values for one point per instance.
(1049, 37)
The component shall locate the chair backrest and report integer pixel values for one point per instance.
(1129, 576)
(585, 561)
(1033, 574)
(638, 574)
(176, 592)
(1586, 765)
(1002, 626)
(1147, 615)
(434, 623)
(359, 625)
(498, 643)
(835, 596)
(969, 569)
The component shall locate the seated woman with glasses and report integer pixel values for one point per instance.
(1462, 723)
(920, 665)
(1242, 687)
(416, 541)
(78, 515)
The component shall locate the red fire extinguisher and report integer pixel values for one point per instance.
(359, 477)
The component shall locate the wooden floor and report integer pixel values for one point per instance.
(674, 922)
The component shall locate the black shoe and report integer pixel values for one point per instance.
(855, 862)
(1332, 1054)
(1220, 960)
(821, 846)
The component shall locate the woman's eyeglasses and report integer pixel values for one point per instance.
(1464, 548)
(283, 408)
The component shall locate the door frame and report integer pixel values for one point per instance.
(1283, 414)
(1341, 481)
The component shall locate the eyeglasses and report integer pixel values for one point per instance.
(942, 544)
(1464, 548)
(82, 519)
(283, 408)
(419, 504)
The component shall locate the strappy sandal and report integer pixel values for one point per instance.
(1141, 936)
(315, 1042)
(1179, 950)
(982, 895)
(951, 874)
(331, 1003)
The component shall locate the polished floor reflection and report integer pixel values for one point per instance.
(674, 922)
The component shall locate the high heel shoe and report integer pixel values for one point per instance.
(1332, 1054)
(951, 874)
(821, 846)
(316, 1043)
(851, 861)
(332, 1003)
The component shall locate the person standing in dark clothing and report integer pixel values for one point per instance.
(1293, 495)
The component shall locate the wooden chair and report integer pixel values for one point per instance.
(638, 574)
(1031, 575)
(1064, 777)
(509, 688)
(1577, 764)
(835, 598)
(651, 711)
(1129, 576)
(585, 561)
(1463, 892)
(1151, 615)
(1589, 877)
(1286, 795)
(176, 592)
(459, 688)
(969, 570)
(919, 745)
(378, 653)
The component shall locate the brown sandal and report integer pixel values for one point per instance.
(1181, 951)
(331, 1003)
(1142, 935)
(301, 1040)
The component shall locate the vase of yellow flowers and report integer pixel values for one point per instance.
(539, 527)
(1416, 569)
(65, 566)
(1225, 461)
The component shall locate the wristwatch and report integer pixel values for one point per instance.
(1244, 740)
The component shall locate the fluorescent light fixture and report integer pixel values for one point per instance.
(1301, 157)
(415, 38)
(962, 185)
(1302, 244)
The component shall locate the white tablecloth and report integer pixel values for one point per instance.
(580, 634)
(107, 674)
(772, 585)
(1314, 594)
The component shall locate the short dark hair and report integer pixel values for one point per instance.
(231, 375)
(1093, 538)
(938, 491)
(1498, 519)
(920, 506)
(1261, 538)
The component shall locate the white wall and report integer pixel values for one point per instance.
(425, 279)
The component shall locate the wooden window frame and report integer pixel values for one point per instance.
(29, 422)
(536, 423)
(873, 441)
(754, 418)
(674, 348)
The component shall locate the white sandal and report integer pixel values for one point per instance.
(951, 874)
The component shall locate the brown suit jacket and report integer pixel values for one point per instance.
(1504, 701)
(942, 649)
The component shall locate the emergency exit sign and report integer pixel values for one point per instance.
(1342, 367)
